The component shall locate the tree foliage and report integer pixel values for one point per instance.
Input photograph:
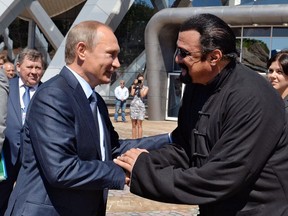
(130, 32)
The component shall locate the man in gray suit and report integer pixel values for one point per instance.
(69, 142)
(30, 66)
(4, 90)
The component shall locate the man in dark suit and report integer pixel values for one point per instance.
(30, 66)
(230, 152)
(68, 146)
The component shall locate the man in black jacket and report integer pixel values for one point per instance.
(230, 153)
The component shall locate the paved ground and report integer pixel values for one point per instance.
(123, 203)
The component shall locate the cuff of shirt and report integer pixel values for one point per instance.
(170, 138)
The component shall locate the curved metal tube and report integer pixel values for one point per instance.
(161, 34)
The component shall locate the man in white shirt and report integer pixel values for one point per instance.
(121, 93)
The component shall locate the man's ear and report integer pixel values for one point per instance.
(80, 50)
(215, 56)
(17, 66)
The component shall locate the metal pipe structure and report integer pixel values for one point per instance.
(161, 35)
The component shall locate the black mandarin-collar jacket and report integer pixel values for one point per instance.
(230, 155)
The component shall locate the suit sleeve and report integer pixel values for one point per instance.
(234, 163)
(119, 147)
(4, 89)
(149, 143)
(52, 130)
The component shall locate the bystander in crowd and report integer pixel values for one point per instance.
(4, 90)
(9, 69)
(137, 106)
(3, 59)
(30, 66)
(278, 74)
(121, 95)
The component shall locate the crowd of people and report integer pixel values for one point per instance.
(228, 153)
(278, 74)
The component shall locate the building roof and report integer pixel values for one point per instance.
(54, 7)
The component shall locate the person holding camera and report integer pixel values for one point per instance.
(137, 106)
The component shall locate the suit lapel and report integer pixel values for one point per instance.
(84, 106)
(14, 97)
(104, 117)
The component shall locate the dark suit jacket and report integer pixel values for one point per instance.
(231, 158)
(286, 103)
(12, 142)
(14, 123)
(62, 172)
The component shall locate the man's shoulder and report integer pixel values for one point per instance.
(3, 76)
(248, 78)
(14, 80)
(116, 89)
(54, 85)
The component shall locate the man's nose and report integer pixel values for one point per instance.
(116, 63)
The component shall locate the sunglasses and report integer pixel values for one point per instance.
(183, 53)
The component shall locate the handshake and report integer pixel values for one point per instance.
(127, 161)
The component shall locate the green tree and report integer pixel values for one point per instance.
(130, 32)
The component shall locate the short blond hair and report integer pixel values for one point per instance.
(86, 32)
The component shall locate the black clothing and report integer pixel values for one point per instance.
(230, 155)
(286, 103)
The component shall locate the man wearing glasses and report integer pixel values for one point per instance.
(230, 152)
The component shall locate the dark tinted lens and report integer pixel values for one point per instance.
(182, 53)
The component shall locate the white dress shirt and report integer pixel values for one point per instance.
(88, 92)
(121, 93)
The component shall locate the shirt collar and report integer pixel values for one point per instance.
(21, 84)
(85, 86)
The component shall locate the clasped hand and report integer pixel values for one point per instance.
(127, 161)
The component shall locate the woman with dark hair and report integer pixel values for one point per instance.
(278, 74)
(137, 106)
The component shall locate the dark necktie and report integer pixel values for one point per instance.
(93, 105)
(26, 98)
(99, 124)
